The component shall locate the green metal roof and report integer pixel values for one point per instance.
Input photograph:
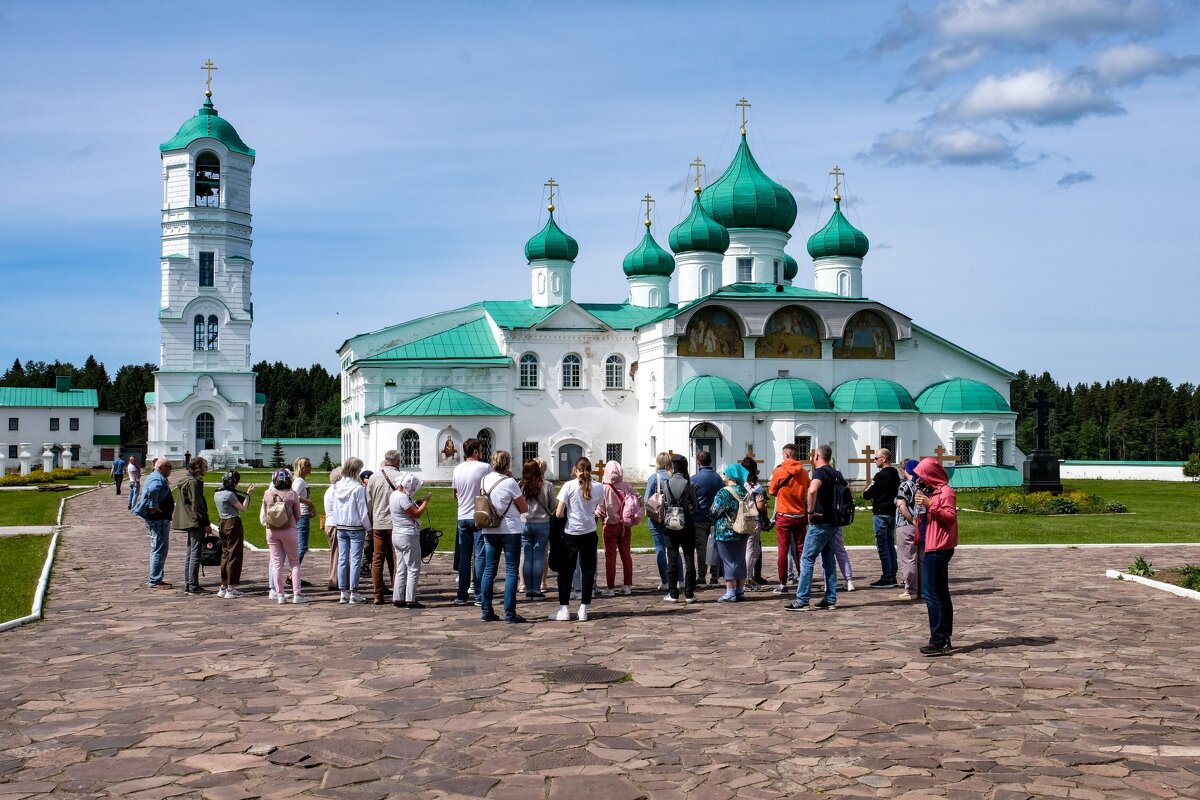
(838, 238)
(699, 232)
(329, 441)
(207, 125)
(744, 197)
(625, 316)
(148, 398)
(106, 438)
(961, 396)
(551, 242)
(983, 477)
(706, 394)
(444, 402)
(260, 399)
(790, 394)
(515, 314)
(15, 397)
(872, 394)
(648, 258)
(471, 340)
(791, 268)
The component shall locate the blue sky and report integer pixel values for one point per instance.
(1026, 170)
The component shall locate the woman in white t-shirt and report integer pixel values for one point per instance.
(509, 503)
(406, 538)
(578, 501)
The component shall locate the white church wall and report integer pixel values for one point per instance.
(764, 246)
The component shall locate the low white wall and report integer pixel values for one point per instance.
(1123, 470)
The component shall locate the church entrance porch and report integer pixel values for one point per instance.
(205, 433)
(705, 438)
(568, 454)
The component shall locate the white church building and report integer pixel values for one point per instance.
(743, 362)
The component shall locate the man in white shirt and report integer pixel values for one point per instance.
(135, 480)
(467, 477)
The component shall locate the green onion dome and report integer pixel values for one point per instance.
(699, 232)
(708, 394)
(744, 197)
(872, 395)
(962, 396)
(551, 243)
(790, 394)
(207, 125)
(838, 237)
(790, 268)
(648, 259)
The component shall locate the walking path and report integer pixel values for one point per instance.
(1065, 684)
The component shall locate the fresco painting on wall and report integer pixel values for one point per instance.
(866, 336)
(791, 332)
(713, 333)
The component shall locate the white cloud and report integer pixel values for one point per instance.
(940, 63)
(1133, 62)
(959, 147)
(1073, 178)
(1035, 22)
(1041, 96)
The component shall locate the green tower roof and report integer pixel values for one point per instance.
(873, 395)
(790, 394)
(790, 267)
(699, 232)
(744, 197)
(551, 242)
(706, 394)
(962, 396)
(444, 402)
(207, 125)
(838, 237)
(648, 259)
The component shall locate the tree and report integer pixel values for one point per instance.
(277, 460)
(326, 463)
(1192, 468)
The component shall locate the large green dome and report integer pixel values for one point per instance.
(962, 396)
(551, 243)
(838, 238)
(790, 267)
(744, 197)
(872, 395)
(648, 259)
(790, 394)
(207, 125)
(699, 232)
(708, 394)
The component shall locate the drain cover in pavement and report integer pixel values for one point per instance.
(584, 673)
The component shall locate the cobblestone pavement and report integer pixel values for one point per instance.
(1064, 684)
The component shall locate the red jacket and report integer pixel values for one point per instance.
(942, 531)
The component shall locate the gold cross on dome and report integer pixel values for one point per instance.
(208, 67)
(837, 174)
(648, 200)
(743, 104)
(699, 165)
(551, 184)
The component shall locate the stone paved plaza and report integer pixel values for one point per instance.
(1065, 684)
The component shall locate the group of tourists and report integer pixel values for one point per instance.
(707, 530)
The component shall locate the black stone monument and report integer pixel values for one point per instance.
(1041, 466)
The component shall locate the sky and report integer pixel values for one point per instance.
(1026, 170)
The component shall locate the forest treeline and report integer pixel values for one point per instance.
(1129, 419)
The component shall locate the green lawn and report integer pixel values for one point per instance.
(29, 508)
(21, 560)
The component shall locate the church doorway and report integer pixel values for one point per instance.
(205, 433)
(568, 454)
(705, 438)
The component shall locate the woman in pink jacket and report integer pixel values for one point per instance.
(941, 537)
(617, 535)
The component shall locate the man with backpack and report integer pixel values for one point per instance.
(707, 483)
(156, 506)
(680, 497)
(828, 498)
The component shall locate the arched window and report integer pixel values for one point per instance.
(198, 332)
(614, 372)
(212, 331)
(529, 371)
(706, 436)
(410, 449)
(706, 286)
(843, 284)
(655, 298)
(485, 444)
(208, 180)
(572, 371)
(205, 433)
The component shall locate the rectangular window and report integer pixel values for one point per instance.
(12, 423)
(54, 423)
(889, 443)
(74, 424)
(614, 373)
(612, 452)
(529, 451)
(745, 270)
(107, 453)
(529, 371)
(14, 451)
(206, 269)
(965, 450)
(75, 453)
(778, 271)
(803, 447)
(1001, 452)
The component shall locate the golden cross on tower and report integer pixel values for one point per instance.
(551, 184)
(699, 165)
(743, 104)
(208, 67)
(648, 200)
(837, 174)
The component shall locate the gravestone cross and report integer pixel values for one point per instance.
(868, 459)
(1041, 428)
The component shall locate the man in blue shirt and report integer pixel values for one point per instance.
(707, 483)
(157, 507)
(118, 473)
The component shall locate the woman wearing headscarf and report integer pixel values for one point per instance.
(406, 538)
(282, 538)
(731, 545)
(617, 535)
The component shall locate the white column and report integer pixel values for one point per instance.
(47, 457)
(66, 455)
(26, 458)
(3, 457)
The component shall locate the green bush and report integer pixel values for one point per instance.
(1191, 578)
(38, 476)
(1115, 507)
(1140, 567)
(1014, 501)
(1192, 468)
(1063, 505)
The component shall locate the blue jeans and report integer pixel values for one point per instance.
(134, 488)
(935, 586)
(302, 526)
(885, 544)
(658, 533)
(818, 540)
(535, 539)
(466, 549)
(160, 543)
(350, 555)
(493, 544)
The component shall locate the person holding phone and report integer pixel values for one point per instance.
(405, 512)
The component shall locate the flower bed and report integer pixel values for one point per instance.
(1073, 502)
(40, 476)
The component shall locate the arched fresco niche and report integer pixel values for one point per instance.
(867, 335)
(713, 332)
(791, 332)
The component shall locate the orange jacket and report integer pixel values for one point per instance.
(789, 487)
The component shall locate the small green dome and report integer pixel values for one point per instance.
(790, 267)
(838, 238)
(706, 394)
(790, 394)
(648, 259)
(872, 395)
(699, 232)
(552, 243)
(744, 197)
(962, 396)
(207, 125)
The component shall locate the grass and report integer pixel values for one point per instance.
(29, 508)
(21, 560)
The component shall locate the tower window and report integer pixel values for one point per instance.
(212, 331)
(614, 372)
(208, 181)
(572, 368)
(778, 272)
(706, 286)
(206, 269)
(198, 332)
(745, 270)
(529, 371)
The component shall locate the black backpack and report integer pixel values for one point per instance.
(841, 510)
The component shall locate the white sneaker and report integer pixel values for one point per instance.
(231, 593)
(299, 599)
(849, 585)
(345, 598)
(780, 589)
(281, 599)
(581, 614)
(669, 599)
(905, 596)
(221, 593)
(271, 594)
(357, 599)
(607, 593)
(627, 590)
(563, 615)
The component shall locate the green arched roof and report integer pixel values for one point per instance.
(744, 197)
(790, 394)
(648, 258)
(444, 402)
(871, 395)
(552, 243)
(207, 125)
(699, 232)
(838, 238)
(708, 394)
(962, 396)
(790, 267)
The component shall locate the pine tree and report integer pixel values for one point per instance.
(277, 461)
(326, 464)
